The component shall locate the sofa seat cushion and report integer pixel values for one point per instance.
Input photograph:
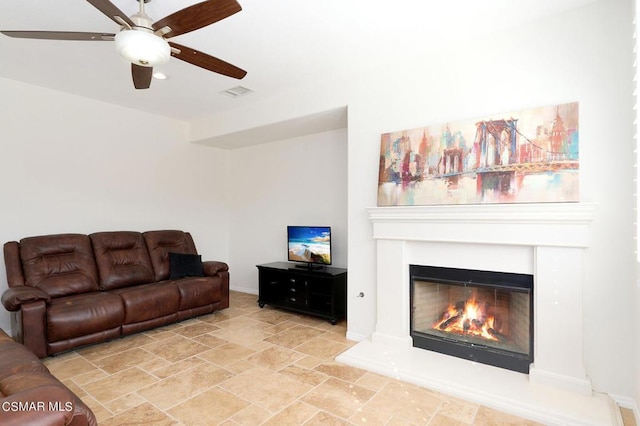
(198, 291)
(83, 314)
(149, 301)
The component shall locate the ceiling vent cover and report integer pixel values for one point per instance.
(236, 92)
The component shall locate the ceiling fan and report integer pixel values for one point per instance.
(144, 43)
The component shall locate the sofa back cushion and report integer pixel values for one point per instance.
(161, 243)
(60, 265)
(122, 259)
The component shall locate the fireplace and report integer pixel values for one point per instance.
(548, 241)
(482, 316)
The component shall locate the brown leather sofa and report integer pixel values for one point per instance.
(70, 290)
(30, 395)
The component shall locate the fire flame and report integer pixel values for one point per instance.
(472, 319)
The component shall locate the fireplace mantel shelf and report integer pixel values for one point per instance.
(544, 224)
(544, 213)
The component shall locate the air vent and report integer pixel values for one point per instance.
(236, 92)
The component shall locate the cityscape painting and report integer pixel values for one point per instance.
(530, 156)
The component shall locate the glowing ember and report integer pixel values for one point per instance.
(468, 317)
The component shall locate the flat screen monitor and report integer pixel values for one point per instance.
(309, 244)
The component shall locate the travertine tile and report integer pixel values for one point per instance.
(294, 336)
(115, 346)
(99, 410)
(458, 409)
(406, 402)
(171, 369)
(304, 375)
(324, 418)
(211, 407)
(124, 360)
(178, 388)
(266, 388)
(250, 416)
(237, 322)
(337, 397)
(176, 348)
(144, 414)
(340, 371)
(226, 354)
(275, 357)
(89, 376)
(367, 416)
(442, 420)
(125, 403)
(248, 337)
(373, 381)
(321, 348)
(628, 417)
(70, 367)
(309, 362)
(490, 417)
(121, 383)
(210, 340)
(248, 366)
(271, 316)
(197, 329)
(295, 414)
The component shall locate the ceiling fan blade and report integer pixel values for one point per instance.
(205, 61)
(60, 35)
(197, 16)
(111, 11)
(141, 76)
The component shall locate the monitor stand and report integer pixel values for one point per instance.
(309, 267)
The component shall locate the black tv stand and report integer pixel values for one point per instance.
(319, 291)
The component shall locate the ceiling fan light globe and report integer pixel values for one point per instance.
(142, 48)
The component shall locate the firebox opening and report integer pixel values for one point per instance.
(483, 316)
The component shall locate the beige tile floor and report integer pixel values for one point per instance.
(250, 366)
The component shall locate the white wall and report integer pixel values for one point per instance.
(300, 181)
(69, 164)
(584, 56)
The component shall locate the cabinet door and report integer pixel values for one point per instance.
(273, 286)
(321, 295)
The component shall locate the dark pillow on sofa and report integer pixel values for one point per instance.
(185, 265)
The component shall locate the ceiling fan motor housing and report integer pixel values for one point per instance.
(142, 47)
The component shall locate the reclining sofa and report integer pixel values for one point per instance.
(70, 290)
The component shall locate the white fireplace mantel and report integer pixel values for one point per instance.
(549, 224)
(549, 241)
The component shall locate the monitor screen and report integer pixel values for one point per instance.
(310, 244)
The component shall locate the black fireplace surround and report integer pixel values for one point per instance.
(481, 316)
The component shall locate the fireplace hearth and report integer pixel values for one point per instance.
(482, 316)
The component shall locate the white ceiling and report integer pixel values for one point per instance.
(282, 44)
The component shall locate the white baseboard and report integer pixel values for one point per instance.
(249, 290)
(356, 337)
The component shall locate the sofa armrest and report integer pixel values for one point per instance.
(213, 267)
(15, 297)
(13, 265)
